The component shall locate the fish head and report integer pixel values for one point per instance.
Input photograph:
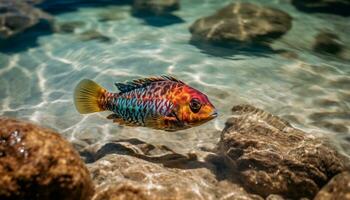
(194, 107)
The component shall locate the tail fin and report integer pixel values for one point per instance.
(88, 97)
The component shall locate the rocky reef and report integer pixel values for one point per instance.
(337, 188)
(121, 175)
(242, 23)
(17, 16)
(37, 163)
(259, 156)
(272, 157)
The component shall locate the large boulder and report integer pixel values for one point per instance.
(124, 192)
(269, 156)
(337, 188)
(136, 170)
(158, 13)
(122, 175)
(338, 7)
(17, 15)
(244, 23)
(37, 163)
(155, 7)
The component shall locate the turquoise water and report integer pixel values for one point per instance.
(312, 91)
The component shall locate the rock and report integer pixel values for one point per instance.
(126, 177)
(112, 15)
(289, 55)
(341, 114)
(139, 149)
(336, 127)
(337, 188)
(326, 42)
(155, 7)
(37, 163)
(327, 102)
(339, 7)
(16, 16)
(94, 35)
(69, 27)
(123, 192)
(242, 23)
(157, 13)
(271, 157)
(138, 170)
(274, 197)
(33, 2)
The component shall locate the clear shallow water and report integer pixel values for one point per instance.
(311, 91)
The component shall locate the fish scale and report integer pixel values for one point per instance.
(129, 105)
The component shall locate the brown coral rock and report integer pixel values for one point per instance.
(123, 192)
(123, 177)
(156, 7)
(16, 16)
(242, 23)
(272, 157)
(37, 163)
(337, 188)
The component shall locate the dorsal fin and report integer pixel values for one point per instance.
(139, 83)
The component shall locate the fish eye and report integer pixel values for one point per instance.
(195, 105)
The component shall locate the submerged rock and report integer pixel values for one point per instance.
(37, 163)
(269, 156)
(139, 149)
(326, 42)
(69, 27)
(126, 177)
(34, 1)
(337, 188)
(157, 13)
(243, 23)
(336, 127)
(339, 7)
(16, 16)
(123, 192)
(110, 15)
(133, 169)
(258, 153)
(155, 7)
(94, 35)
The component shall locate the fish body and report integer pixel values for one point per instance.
(162, 103)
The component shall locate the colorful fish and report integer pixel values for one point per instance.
(164, 103)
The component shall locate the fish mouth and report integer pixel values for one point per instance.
(213, 114)
(210, 117)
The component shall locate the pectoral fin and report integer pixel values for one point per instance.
(168, 123)
(176, 119)
(113, 116)
(117, 119)
(120, 121)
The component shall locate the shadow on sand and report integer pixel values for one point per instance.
(161, 155)
(234, 51)
(25, 40)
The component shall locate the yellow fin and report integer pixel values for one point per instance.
(88, 96)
